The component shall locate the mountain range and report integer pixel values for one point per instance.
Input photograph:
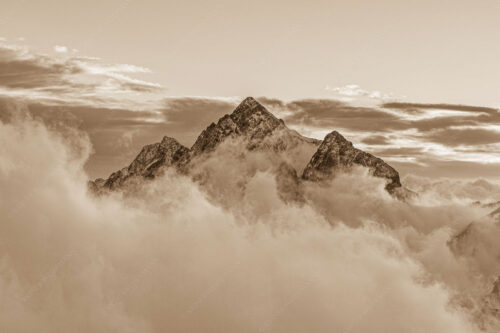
(255, 129)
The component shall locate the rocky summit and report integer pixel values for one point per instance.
(338, 154)
(252, 121)
(257, 129)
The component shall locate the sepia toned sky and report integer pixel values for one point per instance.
(414, 82)
(427, 50)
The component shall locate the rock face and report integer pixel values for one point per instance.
(148, 163)
(258, 130)
(337, 154)
(259, 127)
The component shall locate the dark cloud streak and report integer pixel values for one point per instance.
(458, 137)
(451, 107)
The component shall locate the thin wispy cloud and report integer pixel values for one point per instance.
(73, 79)
(350, 92)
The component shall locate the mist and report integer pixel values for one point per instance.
(227, 252)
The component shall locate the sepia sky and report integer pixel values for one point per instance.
(414, 82)
(427, 50)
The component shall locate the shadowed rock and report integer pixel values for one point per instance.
(337, 154)
(148, 164)
(251, 121)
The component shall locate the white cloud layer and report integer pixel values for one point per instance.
(177, 259)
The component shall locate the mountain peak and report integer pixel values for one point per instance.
(335, 136)
(250, 113)
(249, 101)
(169, 141)
(337, 153)
(249, 119)
(149, 162)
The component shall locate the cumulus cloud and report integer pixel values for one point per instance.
(173, 259)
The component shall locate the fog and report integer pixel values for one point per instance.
(225, 253)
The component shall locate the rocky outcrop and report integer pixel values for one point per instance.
(258, 127)
(338, 154)
(148, 164)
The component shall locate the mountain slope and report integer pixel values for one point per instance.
(147, 164)
(337, 154)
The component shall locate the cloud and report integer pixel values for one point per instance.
(172, 259)
(354, 90)
(22, 70)
(331, 113)
(74, 80)
(453, 107)
(60, 49)
(464, 136)
(376, 140)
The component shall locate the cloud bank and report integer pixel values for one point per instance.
(176, 258)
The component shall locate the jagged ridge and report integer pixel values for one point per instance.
(148, 163)
(259, 129)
